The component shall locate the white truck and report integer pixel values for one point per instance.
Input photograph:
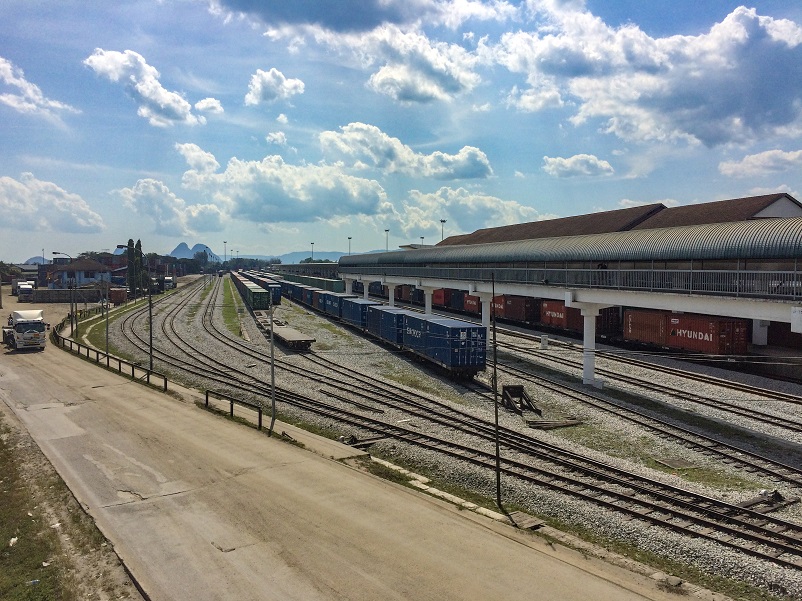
(25, 293)
(26, 329)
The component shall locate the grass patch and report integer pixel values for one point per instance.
(232, 308)
(22, 574)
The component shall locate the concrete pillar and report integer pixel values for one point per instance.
(391, 293)
(427, 295)
(349, 285)
(589, 346)
(487, 303)
(365, 290)
(760, 332)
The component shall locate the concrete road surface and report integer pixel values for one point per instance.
(201, 508)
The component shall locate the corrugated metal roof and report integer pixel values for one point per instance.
(758, 239)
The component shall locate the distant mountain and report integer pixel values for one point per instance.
(36, 261)
(182, 251)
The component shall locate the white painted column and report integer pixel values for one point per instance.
(487, 303)
(589, 346)
(391, 294)
(427, 295)
(365, 290)
(760, 332)
(349, 285)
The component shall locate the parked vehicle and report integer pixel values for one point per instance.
(26, 330)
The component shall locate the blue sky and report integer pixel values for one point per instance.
(272, 125)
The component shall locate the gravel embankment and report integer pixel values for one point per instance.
(611, 439)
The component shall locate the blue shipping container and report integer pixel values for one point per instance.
(391, 326)
(456, 344)
(457, 300)
(355, 311)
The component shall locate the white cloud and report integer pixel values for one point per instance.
(271, 190)
(640, 88)
(367, 146)
(279, 138)
(156, 104)
(32, 204)
(577, 165)
(763, 163)
(270, 86)
(415, 69)
(170, 214)
(466, 211)
(26, 97)
(201, 161)
(360, 16)
(209, 105)
(282, 118)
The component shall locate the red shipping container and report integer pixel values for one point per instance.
(499, 307)
(441, 297)
(552, 313)
(402, 292)
(521, 308)
(472, 304)
(707, 334)
(606, 321)
(645, 326)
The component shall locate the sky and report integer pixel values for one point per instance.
(261, 127)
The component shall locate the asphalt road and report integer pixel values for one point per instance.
(201, 508)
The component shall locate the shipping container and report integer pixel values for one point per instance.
(457, 300)
(355, 311)
(457, 345)
(414, 332)
(707, 334)
(417, 296)
(552, 313)
(403, 292)
(387, 323)
(334, 303)
(441, 297)
(118, 296)
(472, 304)
(698, 333)
(648, 327)
(780, 334)
(499, 307)
(521, 308)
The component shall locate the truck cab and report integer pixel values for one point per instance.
(26, 329)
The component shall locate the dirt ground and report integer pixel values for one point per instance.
(89, 567)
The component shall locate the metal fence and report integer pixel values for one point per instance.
(755, 284)
(126, 368)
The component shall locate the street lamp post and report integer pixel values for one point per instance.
(150, 301)
(313, 252)
(421, 240)
(442, 225)
(71, 287)
(386, 240)
(349, 246)
(225, 256)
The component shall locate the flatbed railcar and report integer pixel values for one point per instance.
(457, 346)
(286, 335)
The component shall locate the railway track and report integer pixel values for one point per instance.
(776, 419)
(767, 537)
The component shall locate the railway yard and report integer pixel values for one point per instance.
(695, 468)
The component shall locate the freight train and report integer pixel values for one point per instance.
(648, 328)
(458, 347)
